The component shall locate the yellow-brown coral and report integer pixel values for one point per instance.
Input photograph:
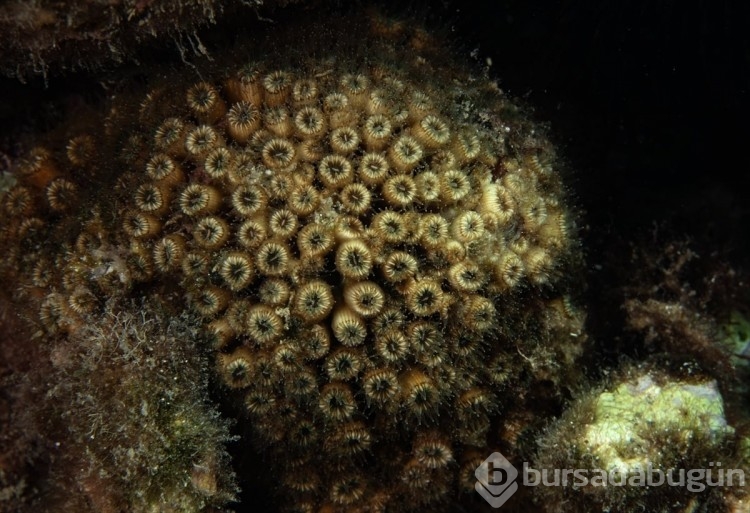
(358, 242)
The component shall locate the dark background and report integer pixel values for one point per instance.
(648, 103)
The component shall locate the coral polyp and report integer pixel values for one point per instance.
(355, 238)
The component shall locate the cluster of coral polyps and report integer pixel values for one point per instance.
(376, 252)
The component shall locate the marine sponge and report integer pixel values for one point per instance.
(377, 248)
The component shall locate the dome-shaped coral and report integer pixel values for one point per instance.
(377, 248)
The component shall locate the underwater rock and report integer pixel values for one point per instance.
(640, 438)
(45, 37)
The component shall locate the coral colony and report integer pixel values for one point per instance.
(371, 247)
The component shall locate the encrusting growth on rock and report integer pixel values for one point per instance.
(358, 239)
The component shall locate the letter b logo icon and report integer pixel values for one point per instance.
(496, 479)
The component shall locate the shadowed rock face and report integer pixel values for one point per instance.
(46, 37)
